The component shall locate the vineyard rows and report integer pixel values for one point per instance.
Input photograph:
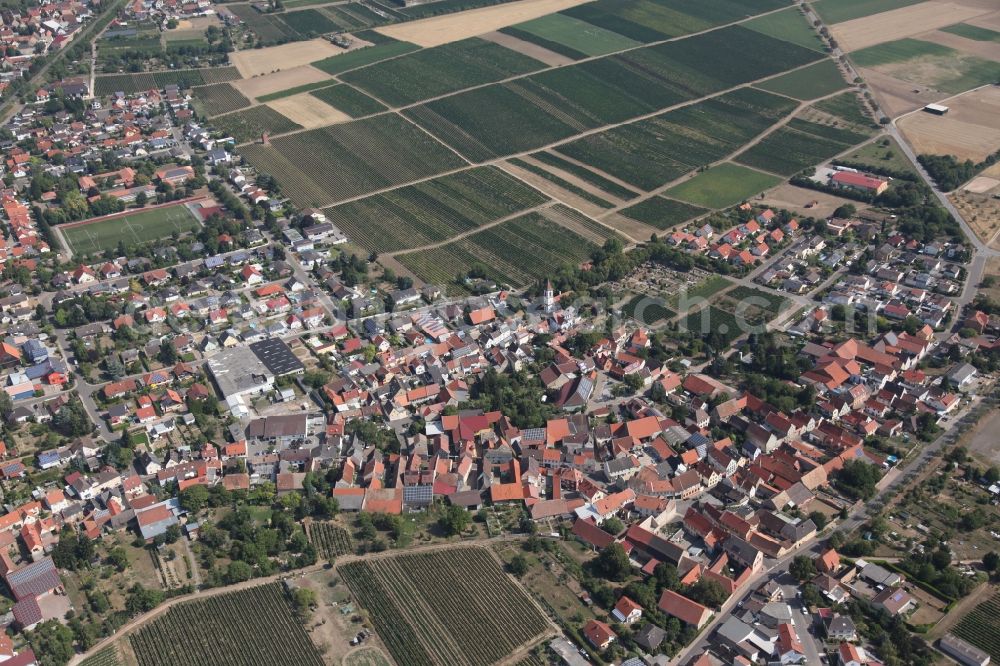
(445, 607)
(514, 252)
(662, 213)
(219, 98)
(359, 157)
(345, 98)
(652, 152)
(798, 145)
(330, 540)
(433, 210)
(251, 626)
(106, 657)
(440, 70)
(250, 124)
(108, 84)
(527, 113)
(981, 627)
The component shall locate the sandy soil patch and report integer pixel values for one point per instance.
(453, 27)
(970, 130)
(897, 96)
(263, 61)
(992, 172)
(981, 211)
(197, 23)
(981, 185)
(540, 53)
(283, 80)
(899, 23)
(796, 199)
(308, 111)
(984, 444)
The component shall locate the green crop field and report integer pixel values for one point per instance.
(309, 22)
(662, 213)
(139, 227)
(515, 252)
(973, 32)
(434, 210)
(269, 28)
(836, 11)
(798, 145)
(583, 173)
(476, 614)
(257, 625)
(810, 82)
(900, 50)
(351, 101)
(647, 310)
(366, 56)
(722, 186)
(250, 124)
(847, 107)
(553, 105)
(755, 305)
(440, 70)
(789, 25)
(655, 20)
(652, 152)
(717, 327)
(569, 36)
(352, 159)
(106, 657)
(981, 627)
(288, 92)
(218, 98)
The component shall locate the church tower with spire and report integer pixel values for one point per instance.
(550, 297)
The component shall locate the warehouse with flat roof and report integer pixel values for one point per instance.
(240, 372)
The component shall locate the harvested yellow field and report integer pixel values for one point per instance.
(308, 111)
(981, 185)
(970, 130)
(899, 23)
(283, 80)
(439, 30)
(273, 58)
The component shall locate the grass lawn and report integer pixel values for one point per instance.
(789, 25)
(809, 82)
(835, 11)
(883, 153)
(723, 186)
(973, 32)
(578, 35)
(139, 227)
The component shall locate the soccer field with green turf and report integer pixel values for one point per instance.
(138, 227)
